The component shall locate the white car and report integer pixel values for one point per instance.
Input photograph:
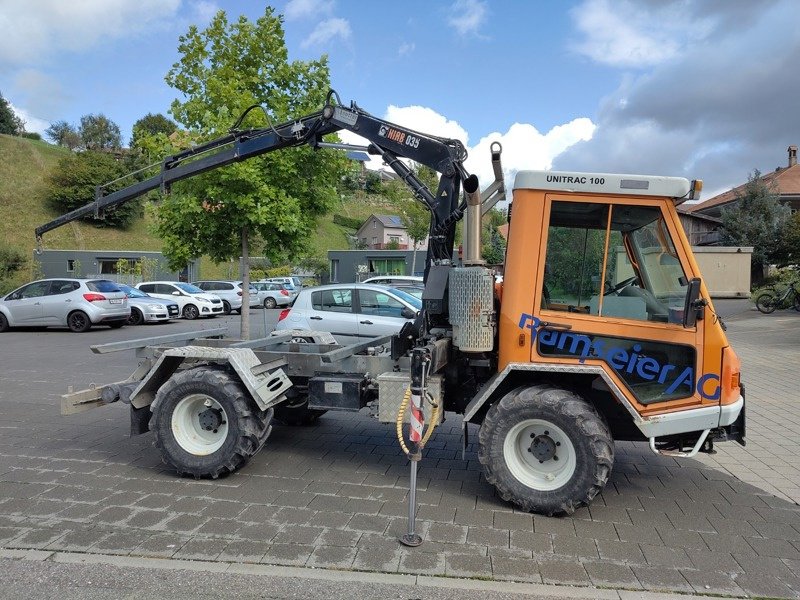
(193, 301)
(350, 309)
(292, 281)
(230, 292)
(273, 295)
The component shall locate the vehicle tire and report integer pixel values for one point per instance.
(226, 307)
(116, 324)
(796, 303)
(545, 449)
(295, 411)
(765, 303)
(3, 323)
(136, 318)
(78, 321)
(270, 302)
(206, 424)
(190, 312)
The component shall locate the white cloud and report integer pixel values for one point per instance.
(634, 34)
(32, 124)
(327, 30)
(716, 111)
(468, 16)
(524, 147)
(406, 48)
(35, 29)
(301, 9)
(203, 11)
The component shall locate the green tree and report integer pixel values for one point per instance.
(151, 125)
(755, 218)
(494, 244)
(11, 261)
(221, 71)
(98, 132)
(417, 220)
(63, 134)
(9, 122)
(72, 184)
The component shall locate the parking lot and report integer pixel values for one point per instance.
(333, 495)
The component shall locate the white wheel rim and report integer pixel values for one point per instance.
(551, 473)
(190, 433)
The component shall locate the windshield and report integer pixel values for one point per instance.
(408, 298)
(189, 288)
(133, 292)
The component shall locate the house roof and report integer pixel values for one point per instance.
(391, 221)
(786, 181)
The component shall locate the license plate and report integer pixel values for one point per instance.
(115, 300)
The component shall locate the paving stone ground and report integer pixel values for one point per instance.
(333, 495)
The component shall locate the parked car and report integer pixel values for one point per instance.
(255, 299)
(414, 290)
(273, 295)
(74, 303)
(192, 301)
(147, 309)
(293, 281)
(355, 309)
(392, 280)
(229, 291)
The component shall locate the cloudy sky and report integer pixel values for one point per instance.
(702, 89)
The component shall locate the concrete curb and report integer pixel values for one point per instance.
(421, 581)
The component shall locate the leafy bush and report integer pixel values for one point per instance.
(11, 261)
(775, 283)
(348, 222)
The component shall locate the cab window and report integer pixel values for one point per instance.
(613, 261)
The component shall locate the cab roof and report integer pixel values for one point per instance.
(604, 183)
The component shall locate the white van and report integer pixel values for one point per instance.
(293, 281)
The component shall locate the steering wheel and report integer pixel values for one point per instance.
(622, 284)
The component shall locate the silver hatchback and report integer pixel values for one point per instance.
(74, 303)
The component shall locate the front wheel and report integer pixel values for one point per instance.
(797, 302)
(206, 424)
(136, 318)
(765, 303)
(545, 449)
(190, 312)
(3, 323)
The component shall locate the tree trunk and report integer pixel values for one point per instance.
(245, 312)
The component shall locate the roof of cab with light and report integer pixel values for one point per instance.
(609, 183)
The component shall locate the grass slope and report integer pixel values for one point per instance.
(24, 167)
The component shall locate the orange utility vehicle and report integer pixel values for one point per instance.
(600, 330)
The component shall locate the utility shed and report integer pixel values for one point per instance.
(725, 269)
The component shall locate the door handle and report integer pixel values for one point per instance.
(366, 322)
(315, 318)
(67, 300)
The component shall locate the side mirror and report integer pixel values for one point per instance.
(408, 313)
(692, 305)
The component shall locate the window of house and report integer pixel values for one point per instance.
(70, 265)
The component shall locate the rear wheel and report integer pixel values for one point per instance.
(545, 449)
(79, 322)
(295, 411)
(765, 303)
(3, 323)
(226, 307)
(270, 302)
(190, 312)
(206, 424)
(136, 317)
(797, 302)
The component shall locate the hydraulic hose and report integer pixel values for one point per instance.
(434, 421)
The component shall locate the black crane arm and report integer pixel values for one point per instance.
(388, 140)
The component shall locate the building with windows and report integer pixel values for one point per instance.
(117, 265)
(350, 266)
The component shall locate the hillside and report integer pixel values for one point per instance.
(24, 167)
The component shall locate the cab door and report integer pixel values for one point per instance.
(612, 294)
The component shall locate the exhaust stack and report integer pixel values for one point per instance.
(472, 223)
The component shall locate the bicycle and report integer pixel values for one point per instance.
(768, 301)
